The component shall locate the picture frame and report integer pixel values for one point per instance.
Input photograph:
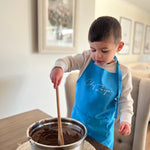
(56, 26)
(147, 40)
(138, 37)
(126, 25)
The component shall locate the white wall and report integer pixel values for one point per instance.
(123, 8)
(24, 73)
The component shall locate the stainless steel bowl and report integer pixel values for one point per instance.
(66, 123)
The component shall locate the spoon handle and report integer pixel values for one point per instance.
(60, 133)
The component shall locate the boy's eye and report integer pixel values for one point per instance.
(93, 50)
(104, 51)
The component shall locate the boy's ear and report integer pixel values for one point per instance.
(120, 46)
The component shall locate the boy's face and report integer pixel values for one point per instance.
(103, 52)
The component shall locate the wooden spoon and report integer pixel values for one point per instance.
(60, 133)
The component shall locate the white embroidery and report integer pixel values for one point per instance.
(97, 87)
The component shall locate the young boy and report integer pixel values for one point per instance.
(103, 83)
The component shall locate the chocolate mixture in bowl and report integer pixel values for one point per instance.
(49, 136)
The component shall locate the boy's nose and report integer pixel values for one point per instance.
(98, 55)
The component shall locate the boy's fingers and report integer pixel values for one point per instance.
(56, 84)
(125, 131)
(53, 80)
(121, 127)
(59, 81)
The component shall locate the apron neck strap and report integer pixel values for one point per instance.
(115, 58)
(119, 74)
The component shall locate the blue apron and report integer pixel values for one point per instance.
(96, 102)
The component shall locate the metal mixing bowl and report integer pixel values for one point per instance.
(66, 123)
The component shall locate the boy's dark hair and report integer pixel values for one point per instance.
(103, 27)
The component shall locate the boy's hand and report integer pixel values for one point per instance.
(125, 128)
(56, 76)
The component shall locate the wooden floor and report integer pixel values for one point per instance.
(148, 138)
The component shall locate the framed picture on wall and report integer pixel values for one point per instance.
(147, 40)
(126, 25)
(56, 26)
(138, 37)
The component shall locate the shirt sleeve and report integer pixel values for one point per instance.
(76, 62)
(126, 101)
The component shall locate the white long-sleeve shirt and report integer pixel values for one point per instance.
(81, 61)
